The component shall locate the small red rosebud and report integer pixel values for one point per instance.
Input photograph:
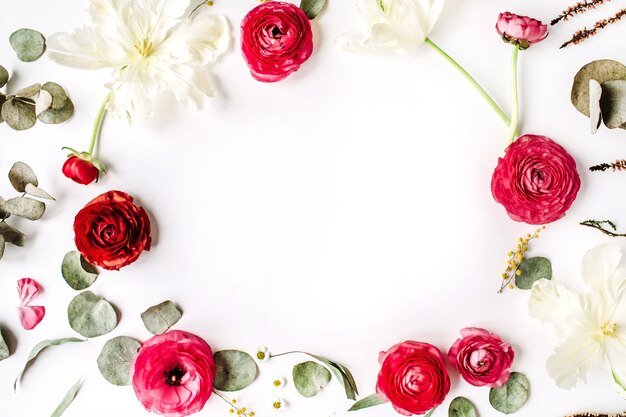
(80, 170)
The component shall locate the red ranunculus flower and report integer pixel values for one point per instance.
(521, 30)
(536, 181)
(173, 374)
(482, 358)
(111, 231)
(413, 377)
(80, 170)
(276, 38)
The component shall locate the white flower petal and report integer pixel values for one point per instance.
(599, 266)
(190, 85)
(85, 48)
(133, 92)
(111, 17)
(573, 360)
(152, 19)
(615, 348)
(553, 303)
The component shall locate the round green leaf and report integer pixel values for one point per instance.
(53, 117)
(235, 370)
(2, 245)
(161, 317)
(37, 192)
(25, 207)
(77, 272)
(309, 378)
(91, 315)
(510, 397)
(461, 407)
(312, 7)
(28, 44)
(11, 234)
(20, 175)
(3, 99)
(4, 76)
(602, 71)
(18, 114)
(59, 96)
(533, 269)
(115, 359)
(4, 213)
(4, 348)
(29, 91)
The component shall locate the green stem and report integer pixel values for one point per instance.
(472, 81)
(97, 124)
(515, 118)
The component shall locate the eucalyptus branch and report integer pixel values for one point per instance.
(584, 34)
(578, 8)
(598, 224)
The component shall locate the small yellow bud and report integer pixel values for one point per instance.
(518, 272)
(243, 409)
(509, 253)
(231, 411)
(233, 401)
(511, 286)
(525, 248)
(536, 236)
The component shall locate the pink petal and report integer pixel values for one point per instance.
(30, 316)
(28, 289)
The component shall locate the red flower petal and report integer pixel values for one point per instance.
(30, 316)
(28, 289)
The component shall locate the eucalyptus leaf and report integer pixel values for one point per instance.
(342, 373)
(310, 378)
(18, 114)
(602, 71)
(3, 99)
(235, 370)
(512, 396)
(67, 400)
(4, 76)
(161, 317)
(25, 207)
(28, 44)
(4, 348)
(91, 315)
(367, 402)
(59, 96)
(43, 102)
(115, 359)
(312, 7)
(613, 103)
(53, 117)
(12, 235)
(2, 246)
(20, 175)
(533, 269)
(38, 192)
(462, 407)
(4, 214)
(77, 272)
(595, 113)
(39, 347)
(29, 91)
(430, 413)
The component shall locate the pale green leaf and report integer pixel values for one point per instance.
(39, 347)
(367, 402)
(77, 272)
(342, 373)
(312, 7)
(38, 192)
(533, 269)
(159, 318)
(12, 235)
(613, 103)
(310, 378)
(4, 348)
(67, 400)
(235, 370)
(4, 214)
(28, 44)
(18, 114)
(28, 92)
(4, 76)
(59, 96)
(602, 71)
(91, 315)
(3, 99)
(115, 359)
(20, 175)
(462, 407)
(2, 246)
(43, 102)
(25, 207)
(512, 396)
(595, 112)
(53, 117)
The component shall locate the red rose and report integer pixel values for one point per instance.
(413, 378)
(482, 358)
(173, 374)
(111, 231)
(536, 181)
(80, 170)
(276, 38)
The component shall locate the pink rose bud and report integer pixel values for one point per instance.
(520, 30)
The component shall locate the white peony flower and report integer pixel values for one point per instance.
(152, 47)
(398, 26)
(591, 327)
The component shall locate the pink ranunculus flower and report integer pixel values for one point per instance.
(30, 316)
(276, 38)
(482, 358)
(413, 377)
(173, 374)
(521, 30)
(536, 181)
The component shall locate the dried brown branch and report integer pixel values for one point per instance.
(582, 35)
(596, 415)
(618, 165)
(578, 8)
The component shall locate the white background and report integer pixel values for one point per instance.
(340, 211)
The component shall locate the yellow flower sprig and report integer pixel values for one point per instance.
(235, 409)
(515, 258)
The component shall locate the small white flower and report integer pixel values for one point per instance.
(591, 327)
(279, 382)
(399, 26)
(262, 354)
(152, 48)
(279, 404)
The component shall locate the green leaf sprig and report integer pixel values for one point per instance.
(522, 272)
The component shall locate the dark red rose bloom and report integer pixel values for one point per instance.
(111, 231)
(536, 181)
(276, 38)
(413, 377)
(80, 170)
